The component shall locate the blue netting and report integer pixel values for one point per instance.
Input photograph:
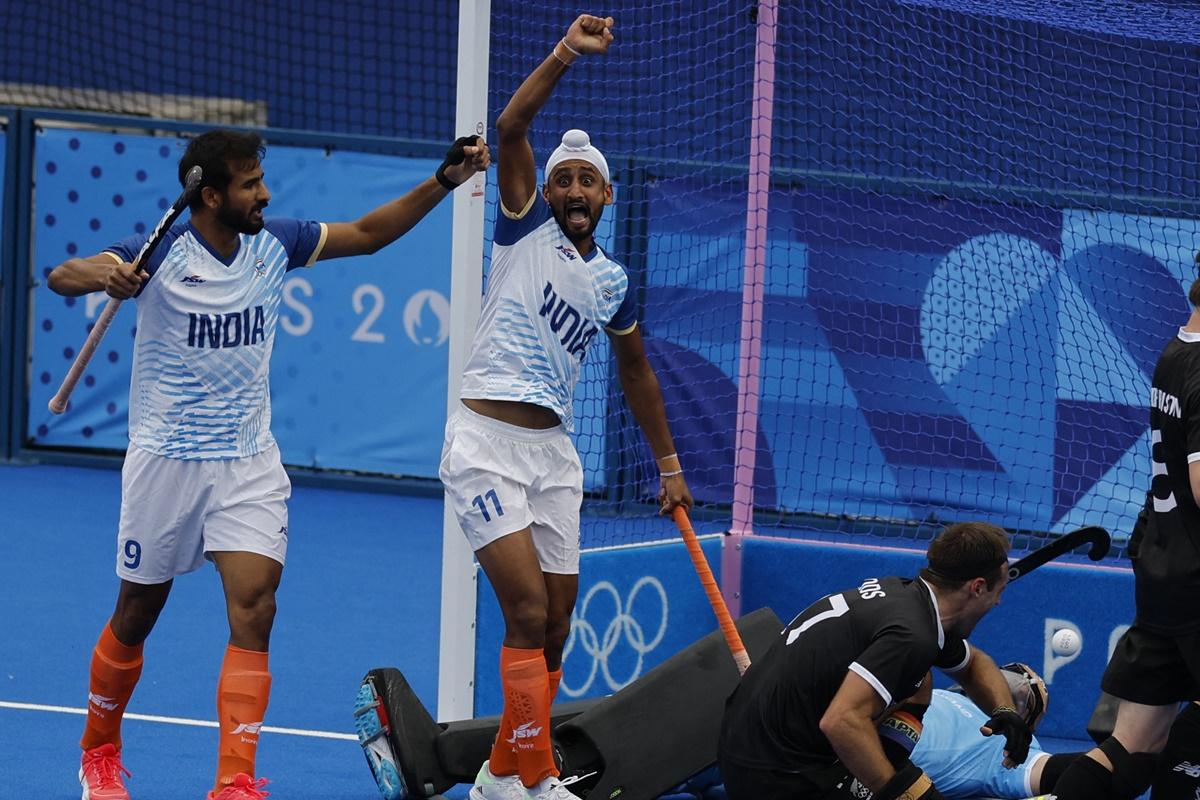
(982, 222)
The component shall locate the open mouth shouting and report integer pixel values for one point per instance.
(578, 214)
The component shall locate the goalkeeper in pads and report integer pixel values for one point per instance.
(511, 472)
(834, 708)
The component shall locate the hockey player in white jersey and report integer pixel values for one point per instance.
(511, 472)
(202, 476)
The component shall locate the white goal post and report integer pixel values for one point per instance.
(456, 657)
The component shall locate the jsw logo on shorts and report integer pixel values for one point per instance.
(106, 703)
(1187, 768)
(523, 732)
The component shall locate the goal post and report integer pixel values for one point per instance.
(456, 657)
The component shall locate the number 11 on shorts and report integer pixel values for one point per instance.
(479, 501)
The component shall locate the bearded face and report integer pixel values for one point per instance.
(243, 201)
(577, 195)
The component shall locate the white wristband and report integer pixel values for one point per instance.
(566, 58)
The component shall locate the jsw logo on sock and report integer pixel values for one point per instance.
(247, 727)
(523, 732)
(106, 703)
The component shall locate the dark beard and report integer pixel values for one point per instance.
(240, 223)
(561, 219)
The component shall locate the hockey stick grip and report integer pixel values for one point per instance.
(732, 638)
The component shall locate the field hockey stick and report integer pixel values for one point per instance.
(704, 572)
(1093, 535)
(191, 185)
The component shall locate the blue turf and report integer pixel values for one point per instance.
(360, 591)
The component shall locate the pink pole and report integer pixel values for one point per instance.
(753, 279)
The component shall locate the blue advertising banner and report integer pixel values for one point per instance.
(637, 607)
(359, 369)
(1095, 601)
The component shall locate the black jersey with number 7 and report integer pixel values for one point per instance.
(887, 631)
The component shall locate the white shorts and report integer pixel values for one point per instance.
(175, 511)
(502, 478)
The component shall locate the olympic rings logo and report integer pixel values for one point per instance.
(622, 629)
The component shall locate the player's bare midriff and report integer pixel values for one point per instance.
(523, 415)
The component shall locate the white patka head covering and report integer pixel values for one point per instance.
(577, 146)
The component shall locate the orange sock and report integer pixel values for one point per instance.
(115, 670)
(503, 759)
(242, 694)
(526, 691)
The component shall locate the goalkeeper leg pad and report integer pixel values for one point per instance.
(397, 735)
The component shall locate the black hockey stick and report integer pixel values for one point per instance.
(1093, 535)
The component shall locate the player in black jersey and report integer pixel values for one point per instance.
(833, 709)
(1156, 664)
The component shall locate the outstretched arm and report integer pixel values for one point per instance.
(390, 221)
(641, 388)
(517, 171)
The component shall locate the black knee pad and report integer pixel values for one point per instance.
(1053, 769)
(1132, 772)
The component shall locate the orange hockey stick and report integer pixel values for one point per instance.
(732, 637)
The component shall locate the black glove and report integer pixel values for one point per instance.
(454, 156)
(1017, 736)
(909, 783)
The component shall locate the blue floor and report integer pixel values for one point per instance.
(361, 590)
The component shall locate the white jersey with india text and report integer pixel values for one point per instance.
(205, 329)
(545, 304)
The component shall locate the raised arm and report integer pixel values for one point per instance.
(517, 171)
(390, 221)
